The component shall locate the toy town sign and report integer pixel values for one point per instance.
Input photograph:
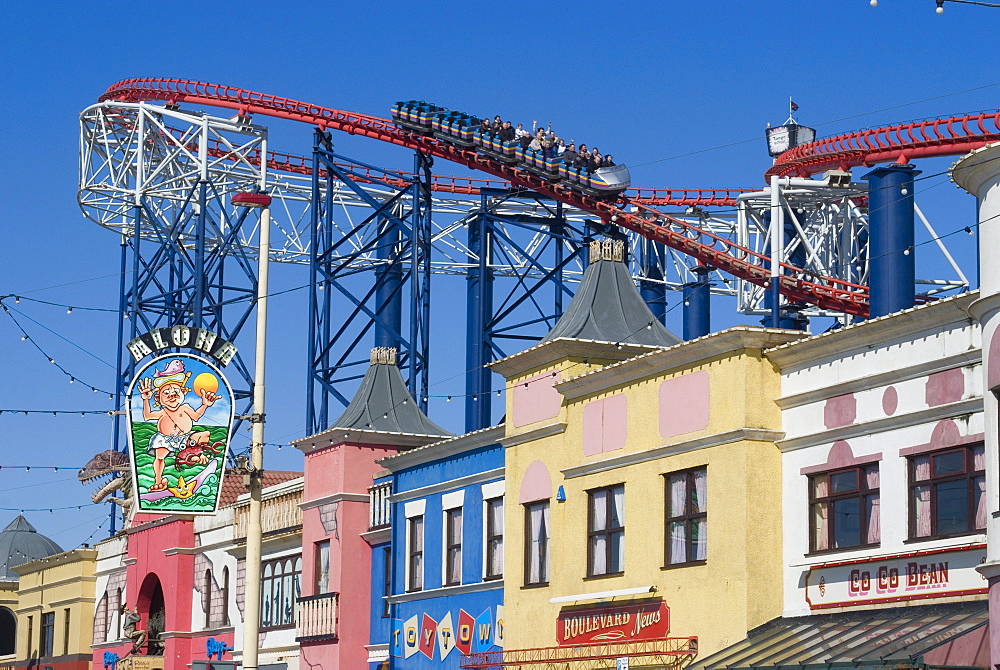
(621, 623)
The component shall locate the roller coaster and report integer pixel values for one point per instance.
(160, 175)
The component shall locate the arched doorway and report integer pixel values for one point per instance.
(8, 632)
(153, 607)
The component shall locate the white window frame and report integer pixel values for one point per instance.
(411, 509)
(490, 491)
(450, 501)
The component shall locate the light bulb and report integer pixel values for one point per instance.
(873, 3)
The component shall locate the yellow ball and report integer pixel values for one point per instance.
(206, 382)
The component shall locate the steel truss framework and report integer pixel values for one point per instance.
(161, 177)
(671, 652)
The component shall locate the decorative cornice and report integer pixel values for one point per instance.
(461, 589)
(183, 551)
(873, 332)
(564, 348)
(970, 357)
(55, 560)
(950, 410)
(450, 485)
(533, 434)
(332, 437)
(677, 357)
(376, 537)
(985, 305)
(714, 440)
(335, 498)
(443, 448)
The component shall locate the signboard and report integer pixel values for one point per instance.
(925, 574)
(617, 623)
(180, 415)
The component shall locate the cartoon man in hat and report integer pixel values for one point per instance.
(175, 420)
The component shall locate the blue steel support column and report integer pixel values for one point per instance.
(697, 305)
(388, 287)
(892, 270)
(479, 312)
(651, 286)
(420, 278)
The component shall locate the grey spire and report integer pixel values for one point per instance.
(21, 543)
(383, 403)
(607, 306)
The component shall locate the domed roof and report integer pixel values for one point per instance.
(21, 543)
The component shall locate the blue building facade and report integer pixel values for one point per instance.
(443, 593)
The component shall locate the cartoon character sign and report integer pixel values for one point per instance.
(180, 411)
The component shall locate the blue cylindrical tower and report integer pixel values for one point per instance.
(890, 227)
(697, 305)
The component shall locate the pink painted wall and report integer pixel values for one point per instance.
(944, 387)
(605, 424)
(535, 399)
(344, 468)
(175, 572)
(840, 410)
(536, 483)
(684, 404)
(994, 617)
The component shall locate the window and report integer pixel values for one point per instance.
(386, 580)
(101, 618)
(66, 632)
(322, 553)
(206, 598)
(415, 553)
(225, 596)
(606, 531)
(844, 508)
(47, 631)
(453, 547)
(494, 538)
(280, 586)
(8, 632)
(31, 634)
(946, 492)
(536, 543)
(687, 517)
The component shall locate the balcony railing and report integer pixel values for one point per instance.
(278, 513)
(379, 510)
(317, 617)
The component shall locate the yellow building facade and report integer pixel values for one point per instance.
(55, 611)
(649, 479)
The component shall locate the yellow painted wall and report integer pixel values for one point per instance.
(57, 583)
(739, 586)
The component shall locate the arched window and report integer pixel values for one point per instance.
(101, 620)
(206, 598)
(8, 632)
(225, 596)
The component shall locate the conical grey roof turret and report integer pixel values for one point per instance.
(607, 306)
(383, 403)
(20, 543)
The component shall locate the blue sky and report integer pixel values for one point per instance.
(680, 90)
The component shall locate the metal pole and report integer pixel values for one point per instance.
(777, 251)
(251, 607)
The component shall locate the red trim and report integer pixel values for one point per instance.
(678, 234)
(965, 441)
(893, 557)
(915, 596)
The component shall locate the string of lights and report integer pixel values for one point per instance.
(27, 468)
(25, 337)
(90, 537)
(58, 412)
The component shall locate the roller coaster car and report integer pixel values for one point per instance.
(415, 115)
(464, 130)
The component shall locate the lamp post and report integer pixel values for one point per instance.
(251, 606)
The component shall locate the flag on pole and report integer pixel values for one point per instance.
(792, 106)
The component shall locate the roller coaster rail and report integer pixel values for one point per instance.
(710, 249)
(170, 187)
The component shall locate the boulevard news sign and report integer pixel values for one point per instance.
(180, 410)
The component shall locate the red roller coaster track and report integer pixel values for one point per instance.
(935, 138)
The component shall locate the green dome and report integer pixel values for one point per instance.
(21, 543)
